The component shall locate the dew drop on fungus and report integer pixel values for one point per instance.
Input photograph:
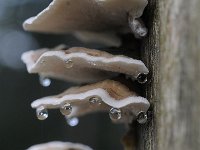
(142, 78)
(72, 121)
(42, 113)
(142, 117)
(95, 101)
(66, 109)
(69, 63)
(93, 64)
(44, 81)
(115, 114)
(42, 62)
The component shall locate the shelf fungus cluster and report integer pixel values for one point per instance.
(91, 21)
(82, 65)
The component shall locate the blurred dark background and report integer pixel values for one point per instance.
(19, 127)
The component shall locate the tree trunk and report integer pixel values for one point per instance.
(172, 53)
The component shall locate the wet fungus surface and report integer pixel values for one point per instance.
(98, 21)
(87, 19)
(111, 96)
(63, 16)
(82, 65)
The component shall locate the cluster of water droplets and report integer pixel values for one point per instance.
(114, 113)
(66, 109)
(46, 82)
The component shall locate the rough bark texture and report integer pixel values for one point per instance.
(172, 53)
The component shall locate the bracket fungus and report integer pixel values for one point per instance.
(90, 21)
(57, 145)
(97, 16)
(123, 104)
(82, 65)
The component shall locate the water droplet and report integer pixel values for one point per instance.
(69, 63)
(42, 113)
(45, 81)
(94, 64)
(142, 117)
(72, 121)
(66, 109)
(142, 78)
(141, 32)
(115, 114)
(42, 62)
(95, 101)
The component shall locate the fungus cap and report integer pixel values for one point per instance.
(66, 16)
(81, 65)
(108, 94)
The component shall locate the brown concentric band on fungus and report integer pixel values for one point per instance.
(81, 65)
(112, 94)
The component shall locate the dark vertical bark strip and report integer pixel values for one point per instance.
(172, 53)
(147, 134)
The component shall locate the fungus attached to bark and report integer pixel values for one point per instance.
(99, 16)
(122, 104)
(57, 145)
(82, 65)
(90, 21)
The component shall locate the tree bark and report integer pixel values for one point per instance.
(172, 53)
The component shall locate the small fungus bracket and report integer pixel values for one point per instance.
(110, 96)
(87, 19)
(82, 65)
